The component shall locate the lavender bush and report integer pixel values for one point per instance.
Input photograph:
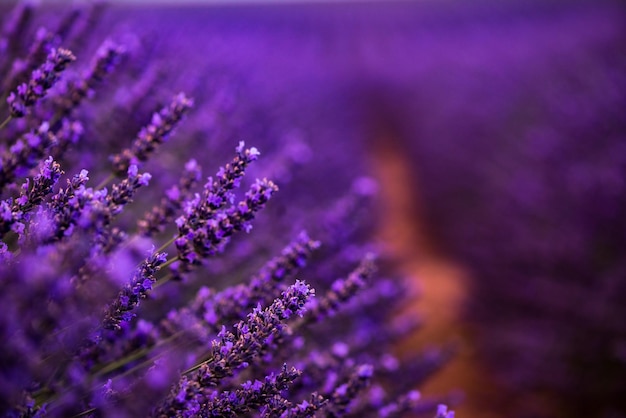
(127, 289)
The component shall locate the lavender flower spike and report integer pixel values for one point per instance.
(305, 409)
(442, 412)
(25, 153)
(401, 405)
(237, 349)
(107, 58)
(123, 193)
(251, 395)
(342, 397)
(217, 192)
(94, 211)
(162, 214)
(42, 79)
(342, 290)
(200, 237)
(210, 309)
(250, 337)
(229, 176)
(154, 134)
(65, 207)
(44, 41)
(263, 287)
(14, 214)
(42, 184)
(32, 146)
(128, 299)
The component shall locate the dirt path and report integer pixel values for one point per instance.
(442, 286)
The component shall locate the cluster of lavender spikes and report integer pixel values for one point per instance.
(97, 322)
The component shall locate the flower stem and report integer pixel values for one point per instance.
(197, 366)
(85, 413)
(6, 121)
(168, 262)
(135, 355)
(105, 181)
(167, 244)
(160, 282)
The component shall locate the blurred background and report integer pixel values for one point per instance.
(497, 134)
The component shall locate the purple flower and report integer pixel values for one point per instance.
(342, 290)
(343, 396)
(42, 79)
(232, 303)
(132, 293)
(75, 91)
(205, 231)
(152, 135)
(442, 412)
(163, 214)
(238, 349)
(65, 207)
(92, 324)
(251, 396)
(16, 213)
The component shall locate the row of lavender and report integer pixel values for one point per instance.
(511, 115)
(97, 322)
(526, 188)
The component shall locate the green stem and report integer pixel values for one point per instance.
(167, 244)
(84, 413)
(105, 181)
(135, 355)
(196, 367)
(6, 121)
(160, 282)
(123, 361)
(141, 365)
(168, 262)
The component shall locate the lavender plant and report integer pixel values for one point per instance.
(122, 300)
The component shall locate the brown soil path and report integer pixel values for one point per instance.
(442, 285)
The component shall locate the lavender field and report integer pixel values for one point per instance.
(192, 203)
